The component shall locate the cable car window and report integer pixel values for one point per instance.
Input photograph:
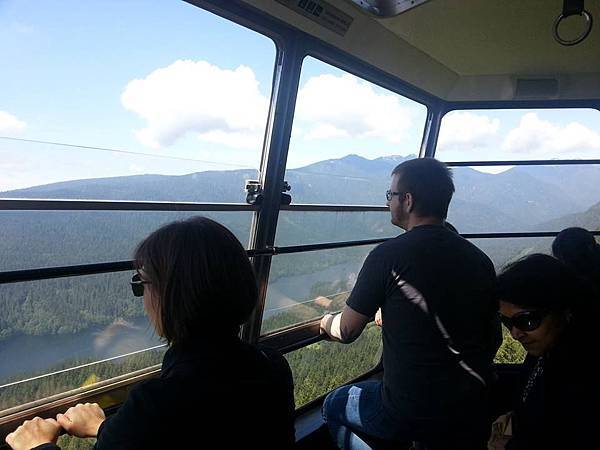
(35, 239)
(305, 286)
(502, 252)
(99, 99)
(296, 227)
(516, 135)
(525, 198)
(348, 135)
(321, 367)
(112, 101)
(62, 334)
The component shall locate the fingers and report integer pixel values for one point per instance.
(64, 422)
(82, 420)
(33, 433)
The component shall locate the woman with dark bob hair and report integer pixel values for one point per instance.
(547, 308)
(214, 391)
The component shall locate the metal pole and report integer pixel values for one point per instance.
(264, 223)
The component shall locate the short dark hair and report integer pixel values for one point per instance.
(577, 248)
(430, 183)
(541, 281)
(203, 278)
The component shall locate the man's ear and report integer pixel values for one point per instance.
(410, 202)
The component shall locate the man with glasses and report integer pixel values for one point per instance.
(440, 326)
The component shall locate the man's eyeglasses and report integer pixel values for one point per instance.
(137, 285)
(389, 195)
(525, 320)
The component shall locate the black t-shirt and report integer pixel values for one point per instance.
(431, 282)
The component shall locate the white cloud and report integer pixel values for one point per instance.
(218, 105)
(9, 124)
(540, 138)
(343, 106)
(326, 131)
(467, 130)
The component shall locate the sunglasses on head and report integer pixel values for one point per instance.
(137, 285)
(524, 320)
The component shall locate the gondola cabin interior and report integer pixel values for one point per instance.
(283, 120)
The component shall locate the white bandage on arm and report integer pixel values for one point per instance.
(332, 326)
(344, 327)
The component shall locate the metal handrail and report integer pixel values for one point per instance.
(45, 273)
(19, 204)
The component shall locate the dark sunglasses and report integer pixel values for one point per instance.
(525, 320)
(137, 285)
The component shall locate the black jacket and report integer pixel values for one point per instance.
(561, 408)
(221, 394)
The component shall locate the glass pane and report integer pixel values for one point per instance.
(318, 227)
(321, 367)
(348, 135)
(505, 251)
(32, 239)
(51, 325)
(130, 91)
(304, 286)
(526, 198)
(519, 134)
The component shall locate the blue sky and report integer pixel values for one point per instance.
(165, 78)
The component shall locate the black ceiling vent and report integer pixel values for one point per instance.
(538, 88)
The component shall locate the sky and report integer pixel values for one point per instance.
(164, 87)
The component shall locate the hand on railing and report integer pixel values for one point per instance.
(34, 432)
(82, 420)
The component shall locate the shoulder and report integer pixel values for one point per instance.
(475, 253)
(392, 248)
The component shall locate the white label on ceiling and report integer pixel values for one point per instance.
(322, 13)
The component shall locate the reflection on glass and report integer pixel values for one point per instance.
(72, 374)
(305, 286)
(321, 367)
(52, 325)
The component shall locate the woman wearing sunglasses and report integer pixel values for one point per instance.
(214, 391)
(547, 308)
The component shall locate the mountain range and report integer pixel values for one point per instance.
(518, 199)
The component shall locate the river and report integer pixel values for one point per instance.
(24, 355)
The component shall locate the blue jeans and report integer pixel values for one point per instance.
(357, 407)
